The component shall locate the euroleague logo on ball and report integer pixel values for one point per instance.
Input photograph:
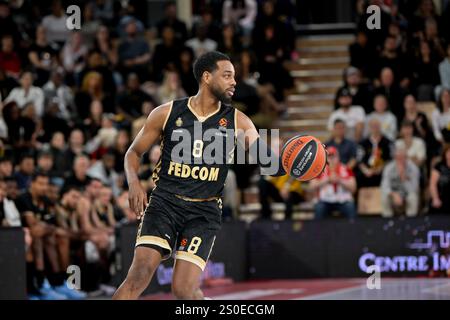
(303, 157)
(287, 156)
(306, 157)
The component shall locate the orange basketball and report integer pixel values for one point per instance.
(303, 157)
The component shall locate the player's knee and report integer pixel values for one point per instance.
(183, 290)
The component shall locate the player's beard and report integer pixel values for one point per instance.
(221, 95)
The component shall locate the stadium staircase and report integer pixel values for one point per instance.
(317, 74)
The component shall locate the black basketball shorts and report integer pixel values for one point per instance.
(189, 228)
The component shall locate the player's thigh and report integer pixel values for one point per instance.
(157, 230)
(196, 241)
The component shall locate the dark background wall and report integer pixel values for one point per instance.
(12, 264)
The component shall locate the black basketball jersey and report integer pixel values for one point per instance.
(195, 151)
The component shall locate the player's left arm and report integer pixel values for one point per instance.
(249, 136)
(246, 128)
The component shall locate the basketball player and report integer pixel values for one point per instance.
(184, 210)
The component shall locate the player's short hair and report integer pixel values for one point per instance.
(208, 62)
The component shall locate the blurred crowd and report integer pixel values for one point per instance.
(71, 102)
(390, 129)
(391, 124)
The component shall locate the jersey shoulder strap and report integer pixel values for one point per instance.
(177, 107)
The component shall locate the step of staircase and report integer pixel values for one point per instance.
(310, 103)
(328, 73)
(310, 116)
(323, 60)
(303, 124)
(322, 54)
(326, 29)
(305, 87)
(324, 40)
(311, 78)
(305, 90)
(309, 110)
(294, 66)
(319, 49)
(322, 135)
(310, 97)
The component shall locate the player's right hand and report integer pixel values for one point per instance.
(137, 198)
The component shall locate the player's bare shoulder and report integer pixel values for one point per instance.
(246, 130)
(158, 116)
(243, 122)
(152, 129)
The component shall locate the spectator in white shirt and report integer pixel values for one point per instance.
(335, 188)
(56, 91)
(441, 118)
(3, 126)
(27, 93)
(387, 119)
(9, 215)
(103, 10)
(201, 44)
(55, 24)
(444, 70)
(414, 146)
(400, 186)
(74, 53)
(241, 13)
(353, 116)
(104, 171)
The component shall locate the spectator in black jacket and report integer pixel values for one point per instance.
(347, 148)
(166, 53)
(422, 127)
(134, 52)
(361, 93)
(130, 101)
(362, 55)
(426, 72)
(391, 90)
(373, 154)
(185, 69)
(96, 62)
(170, 20)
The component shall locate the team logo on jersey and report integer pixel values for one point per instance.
(223, 122)
(179, 122)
